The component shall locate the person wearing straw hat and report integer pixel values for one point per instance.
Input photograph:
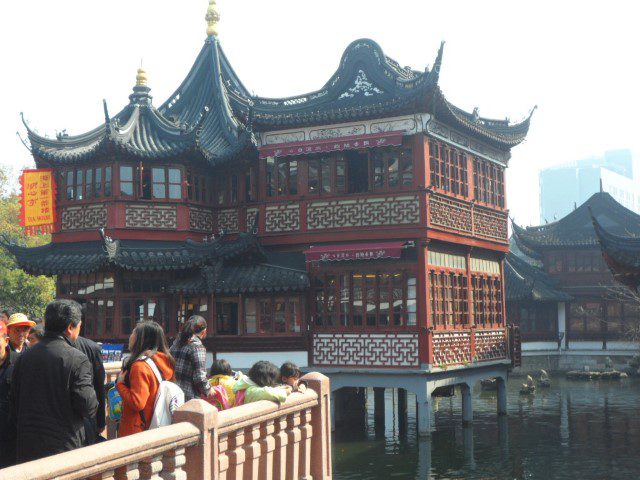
(19, 327)
(7, 430)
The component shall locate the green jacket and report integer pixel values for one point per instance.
(253, 392)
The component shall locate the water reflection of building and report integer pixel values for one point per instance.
(359, 229)
(560, 290)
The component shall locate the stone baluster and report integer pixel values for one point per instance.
(280, 449)
(306, 431)
(223, 456)
(172, 463)
(127, 472)
(293, 450)
(150, 468)
(200, 457)
(252, 451)
(267, 446)
(321, 468)
(236, 455)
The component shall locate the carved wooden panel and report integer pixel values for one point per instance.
(490, 345)
(450, 213)
(451, 348)
(251, 219)
(282, 218)
(84, 217)
(150, 216)
(228, 220)
(395, 210)
(201, 220)
(491, 224)
(365, 350)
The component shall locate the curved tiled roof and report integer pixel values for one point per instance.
(367, 84)
(135, 255)
(525, 282)
(576, 228)
(197, 118)
(234, 279)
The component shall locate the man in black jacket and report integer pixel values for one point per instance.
(7, 432)
(52, 389)
(95, 425)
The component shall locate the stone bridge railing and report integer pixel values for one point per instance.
(261, 440)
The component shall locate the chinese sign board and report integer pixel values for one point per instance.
(332, 145)
(38, 209)
(354, 252)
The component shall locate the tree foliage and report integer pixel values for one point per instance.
(19, 291)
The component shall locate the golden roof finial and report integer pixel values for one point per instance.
(212, 17)
(141, 78)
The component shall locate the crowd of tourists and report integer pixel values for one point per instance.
(52, 382)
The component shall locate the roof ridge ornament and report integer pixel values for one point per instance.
(141, 77)
(212, 17)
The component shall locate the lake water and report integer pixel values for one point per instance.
(573, 430)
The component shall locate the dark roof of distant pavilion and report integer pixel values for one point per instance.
(253, 278)
(212, 113)
(576, 228)
(197, 118)
(525, 282)
(621, 253)
(367, 84)
(135, 255)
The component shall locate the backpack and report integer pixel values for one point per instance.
(114, 402)
(220, 398)
(170, 396)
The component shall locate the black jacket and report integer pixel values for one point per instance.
(94, 353)
(7, 431)
(51, 393)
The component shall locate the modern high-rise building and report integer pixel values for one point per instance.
(562, 188)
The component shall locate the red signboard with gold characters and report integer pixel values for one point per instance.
(38, 201)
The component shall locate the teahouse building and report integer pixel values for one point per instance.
(593, 316)
(360, 226)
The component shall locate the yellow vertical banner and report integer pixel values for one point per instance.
(38, 209)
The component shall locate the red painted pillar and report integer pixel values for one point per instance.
(423, 305)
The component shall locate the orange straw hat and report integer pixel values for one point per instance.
(20, 320)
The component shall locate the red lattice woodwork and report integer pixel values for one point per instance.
(450, 213)
(490, 345)
(490, 223)
(451, 348)
(89, 217)
(365, 350)
(152, 217)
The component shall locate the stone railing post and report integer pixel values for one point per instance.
(321, 426)
(201, 459)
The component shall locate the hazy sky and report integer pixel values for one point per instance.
(578, 61)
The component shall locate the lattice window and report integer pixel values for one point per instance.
(448, 169)
(85, 184)
(487, 299)
(448, 295)
(488, 179)
(356, 299)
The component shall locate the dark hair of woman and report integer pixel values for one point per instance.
(264, 374)
(290, 369)
(220, 367)
(196, 324)
(149, 341)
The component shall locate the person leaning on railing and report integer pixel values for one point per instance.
(191, 357)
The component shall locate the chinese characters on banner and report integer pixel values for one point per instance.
(38, 209)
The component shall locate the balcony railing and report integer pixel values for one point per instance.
(264, 439)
